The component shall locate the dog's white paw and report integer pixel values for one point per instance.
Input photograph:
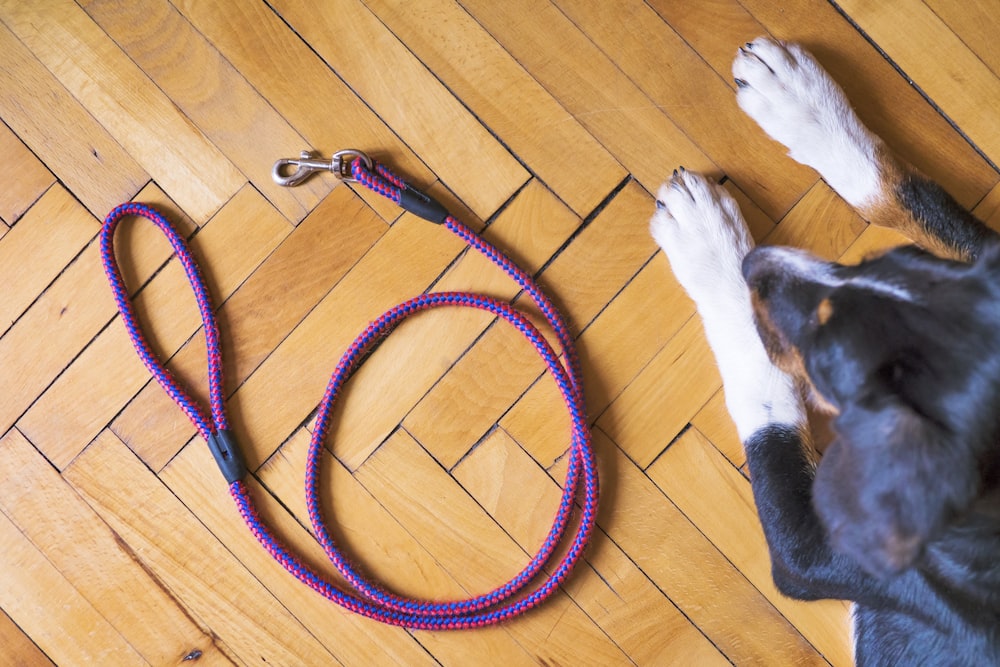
(794, 100)
(700, 228)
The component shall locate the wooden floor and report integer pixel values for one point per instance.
(548, 124)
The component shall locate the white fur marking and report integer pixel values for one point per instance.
(799, 262)
(702, 232)
(853, 629)
(797, 103)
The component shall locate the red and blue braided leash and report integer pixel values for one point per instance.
(365, 597)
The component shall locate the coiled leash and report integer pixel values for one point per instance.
(366, 597)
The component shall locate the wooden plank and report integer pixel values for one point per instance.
(410, 99)
(213, 95)
(976, 23)
(873, 241)
(401, 371)
(94, 560)
(360, 522)
(988, 209)
(154, 132)
(18, 649)
(457, 532)
(590, 271)
(714, 29)
(627, 334)
(654, 408)
(29, 584)
(193, 476)
(608, 586)
(51, 333)
(946, 71)
(536, 128)
(24, 177)
(613, 350)
(197, 568)
(399, 374)
(714, 422)
(390, 554)
(646, 49)
(52, 233)
(679, 559)
(532, 228)
(74, 148)
(301, 87)
(256, 318)
(691, 470)
(885, 101)
(539, 421)
(460, 409)
(610, 106)
(758, 222)
(109, 371)
(582, 279)
(821, 223)
(264, 415)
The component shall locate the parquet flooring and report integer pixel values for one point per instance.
(545, 124)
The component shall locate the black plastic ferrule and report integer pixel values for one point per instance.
(417, 203)
(227, 454)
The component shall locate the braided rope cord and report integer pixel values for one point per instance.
(365, 597)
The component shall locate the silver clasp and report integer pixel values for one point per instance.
(306, 164)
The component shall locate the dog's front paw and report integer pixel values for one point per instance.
(794, 100)
(700, 228)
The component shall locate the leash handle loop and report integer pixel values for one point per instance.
(207, 424)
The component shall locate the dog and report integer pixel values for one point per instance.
(901, 515)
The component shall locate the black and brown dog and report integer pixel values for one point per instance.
(902, 513)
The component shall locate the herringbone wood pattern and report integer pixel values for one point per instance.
(547, 124)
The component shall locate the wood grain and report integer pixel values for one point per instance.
(92, 67)
(547, 126)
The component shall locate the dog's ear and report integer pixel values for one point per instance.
(888, 483)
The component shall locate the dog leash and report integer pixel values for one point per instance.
(365, 596)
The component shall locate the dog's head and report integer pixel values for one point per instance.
(905, 350)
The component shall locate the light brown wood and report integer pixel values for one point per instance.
(691, 470)
(547, 126)
(76, 146)
(115, 578)
(92, 67)
(55, 230)
(944, 78)
(105, 368)
(26, 177)
(18, 647)
(213, 95)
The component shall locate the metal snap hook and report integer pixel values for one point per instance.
(306, 164)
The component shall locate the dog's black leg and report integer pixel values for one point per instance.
(803, 565)
(930, 212)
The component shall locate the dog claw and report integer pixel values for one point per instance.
(740, 83)
(660, 205)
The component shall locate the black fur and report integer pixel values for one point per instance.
(941, 216)
(941, 611)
